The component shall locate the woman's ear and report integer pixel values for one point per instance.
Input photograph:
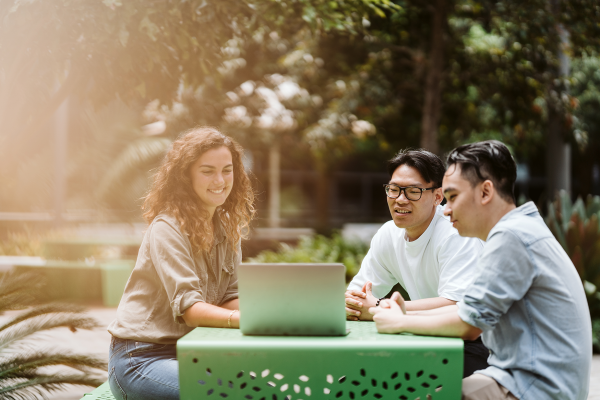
(487, 191)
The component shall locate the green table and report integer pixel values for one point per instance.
(223, 363)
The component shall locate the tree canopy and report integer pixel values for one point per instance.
(345, 81)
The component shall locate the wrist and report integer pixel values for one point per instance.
(230, 319)
(379, 301)
(401, 323)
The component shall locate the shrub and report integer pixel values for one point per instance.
(577, 227)
(319, 249)
(21, 244)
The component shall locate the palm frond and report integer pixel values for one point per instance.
(17, 290)
(15, 301)
(132, 162)
(43, 309)
(21, 365)
(33, 388)
(24, 365)
(43, 322)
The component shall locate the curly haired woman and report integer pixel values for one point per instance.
(185, 275)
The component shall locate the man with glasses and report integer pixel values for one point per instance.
(419, 249)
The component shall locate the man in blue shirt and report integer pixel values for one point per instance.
(527, 301)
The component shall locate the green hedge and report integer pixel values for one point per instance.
(319, 249)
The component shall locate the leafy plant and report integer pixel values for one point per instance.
(21, 244)
(596, 335)
(319, 249)
(576, 226)
(23, 367)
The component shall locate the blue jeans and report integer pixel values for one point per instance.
(142, 371)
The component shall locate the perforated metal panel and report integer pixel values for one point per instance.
(222, 363)
(102, 392)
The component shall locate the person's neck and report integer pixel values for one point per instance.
(211, 211)
(494, 213)
(415, 232)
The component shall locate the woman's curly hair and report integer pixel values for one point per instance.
(172, 192)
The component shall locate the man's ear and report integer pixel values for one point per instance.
(438, 196)
(487, 191)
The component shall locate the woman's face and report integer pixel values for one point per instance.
(212, 177)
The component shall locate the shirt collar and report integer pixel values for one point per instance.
(529, 209)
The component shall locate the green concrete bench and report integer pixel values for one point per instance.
(102, 392)
(83, 282)
(73, 249)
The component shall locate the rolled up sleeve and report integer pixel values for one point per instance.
(502, 279)
(171, 255)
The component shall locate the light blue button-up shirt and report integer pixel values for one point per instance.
(530, 304)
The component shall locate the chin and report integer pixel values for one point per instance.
(401, 224)
(465, 233)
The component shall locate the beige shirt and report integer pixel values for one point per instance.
(168, 278)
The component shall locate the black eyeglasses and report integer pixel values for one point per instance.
(412, 193)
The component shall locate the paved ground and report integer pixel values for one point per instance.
(96, 342)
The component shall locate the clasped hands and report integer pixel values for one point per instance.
(360, 305)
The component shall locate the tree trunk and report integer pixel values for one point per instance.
(274, 186)
(322, 200)
(558, 158)
(44, 116)
(433, 84)
(61, 132)
(558, 150)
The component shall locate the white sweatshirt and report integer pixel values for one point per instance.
(440, 263)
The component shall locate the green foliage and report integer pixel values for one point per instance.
(359, 65)
(126, 179)
(596, 335)
(22, 361)
(576, 226)
(21, 244)
(585, 86)
(319, 249)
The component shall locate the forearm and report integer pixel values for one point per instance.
(446, 324)
(232, 304)
(203, 314)
(436, 311)
(428, 304)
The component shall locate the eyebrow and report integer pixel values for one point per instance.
(450, 189)
(213, 167)
(410, 185)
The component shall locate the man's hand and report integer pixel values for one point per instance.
(389, 314)
(359, 302)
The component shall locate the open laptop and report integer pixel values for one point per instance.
(292, 299)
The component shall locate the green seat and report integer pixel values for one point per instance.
(80, 282)
(102, 392)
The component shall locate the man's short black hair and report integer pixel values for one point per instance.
(487, 160)
(428, 164)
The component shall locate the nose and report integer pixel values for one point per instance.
(219, 179)
(447, 210)
(402, 198)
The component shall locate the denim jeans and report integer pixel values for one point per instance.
(142, 371)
